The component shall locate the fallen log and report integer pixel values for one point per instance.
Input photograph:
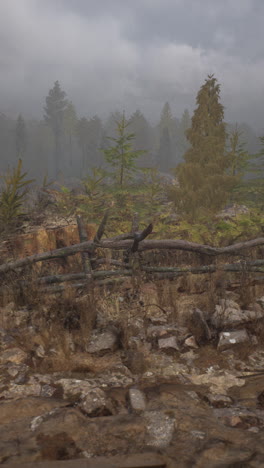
(167, 244)
(256, 266)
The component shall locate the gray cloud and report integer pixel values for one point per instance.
(113, 54)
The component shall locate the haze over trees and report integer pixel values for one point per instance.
(55, 109)
(68, 143)
(213, 162)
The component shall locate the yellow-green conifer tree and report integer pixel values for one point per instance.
(204, 183)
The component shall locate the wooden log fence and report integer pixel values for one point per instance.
(132, 243)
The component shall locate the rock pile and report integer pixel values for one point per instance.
(179, 394)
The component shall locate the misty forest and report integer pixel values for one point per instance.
(188, 166)
(131, 246)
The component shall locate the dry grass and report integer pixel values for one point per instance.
(63, 322)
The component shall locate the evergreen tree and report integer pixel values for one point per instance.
(21, 137)
(166, 133)
(140, 127)
(182, 142)
(237, 153)
(41, 144)
(121, 156)
(82, 130)
(204, 184)
(166, 119)
(89, 133)
(255, 183)
(56, 105)
(110, 124)
(70, 126)
(165, 150)
(94, 138)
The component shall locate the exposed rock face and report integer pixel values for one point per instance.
(43, 239)
(165, 398)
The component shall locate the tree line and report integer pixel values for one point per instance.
(210, 159)
(64, 142)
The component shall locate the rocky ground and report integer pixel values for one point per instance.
(155, 390)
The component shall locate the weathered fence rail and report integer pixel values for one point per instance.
(130, 244)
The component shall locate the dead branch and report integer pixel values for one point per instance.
(253, 267)
(143, 245)
(101, 228)
(86, 260)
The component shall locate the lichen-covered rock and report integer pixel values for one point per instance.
(229, 313)
(191, 342)
(137, 400)
(218, 382)
(160, 428)
(74, 389)
(102, 343)
(159, 331)
(219, 401)
(229, 339)
(15, 355)
(21, 391)
(95, 403)
(167, 344)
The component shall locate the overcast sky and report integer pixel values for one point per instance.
(129, 54)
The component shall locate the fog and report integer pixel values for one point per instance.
(113, 54)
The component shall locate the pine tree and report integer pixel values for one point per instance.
(94, 138)
(81, 129)
(21, 137)
(56, 105)
(89, 133)
(237, 153)
(255, 184)
(70, 125)
(165, 150)
(166, 119)
(204, 184)
(121, 156)
(182, 142)
(166, 132)
(140, 127)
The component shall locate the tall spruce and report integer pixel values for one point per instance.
(204, 184)
(56, 105)
(166, 127)
(181, 141)
(89, 134)
(239, 156)
(82, 131)
(141, 128)
(255, 182)
(70, 128)
(20, 137)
